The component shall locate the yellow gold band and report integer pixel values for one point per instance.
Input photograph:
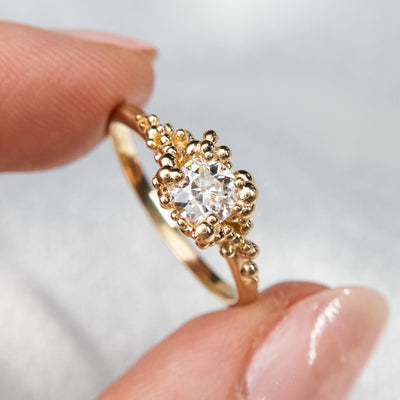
(129, 117)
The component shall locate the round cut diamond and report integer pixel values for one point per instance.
(208, 188)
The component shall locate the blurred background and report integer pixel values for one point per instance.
(315, 84)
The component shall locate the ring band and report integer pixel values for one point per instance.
(208, 202)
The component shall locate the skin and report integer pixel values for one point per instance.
(299, 340)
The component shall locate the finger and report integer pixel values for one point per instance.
(57, 91)
(298, 341)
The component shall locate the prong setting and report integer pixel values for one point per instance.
(173, 149)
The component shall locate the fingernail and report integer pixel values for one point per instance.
(112, 38)
(319, 347)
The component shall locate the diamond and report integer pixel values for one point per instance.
(208, 188)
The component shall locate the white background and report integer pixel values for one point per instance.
(314, 84)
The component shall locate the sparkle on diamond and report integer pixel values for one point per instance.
(208, 188)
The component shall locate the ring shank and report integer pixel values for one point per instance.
(122, 122)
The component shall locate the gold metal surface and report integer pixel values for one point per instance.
(171, 149)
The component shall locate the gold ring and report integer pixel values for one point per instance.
(209, 203)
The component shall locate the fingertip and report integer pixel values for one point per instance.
(299, 340)
(319, 347)
(59, 91)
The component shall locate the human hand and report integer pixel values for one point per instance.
(298, 341)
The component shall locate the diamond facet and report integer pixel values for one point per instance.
(208, 188)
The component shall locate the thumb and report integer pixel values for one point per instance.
(298, 341)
